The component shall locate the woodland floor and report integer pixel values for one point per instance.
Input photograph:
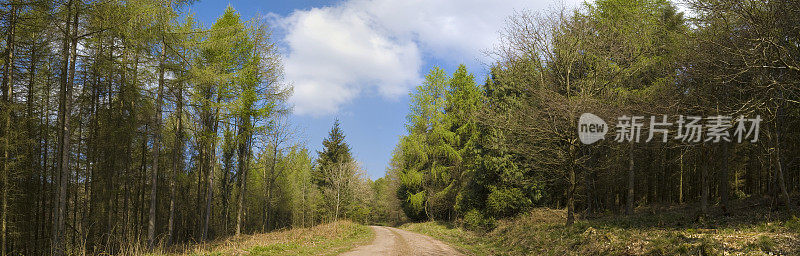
(750, 229)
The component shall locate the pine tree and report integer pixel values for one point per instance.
(335, 170)
(335, 151)
(429, 182)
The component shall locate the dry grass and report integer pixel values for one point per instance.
(326, 239)
(672, 231)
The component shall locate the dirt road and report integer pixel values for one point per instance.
(392, 241)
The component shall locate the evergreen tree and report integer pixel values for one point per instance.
(335, 152)
(429, 178)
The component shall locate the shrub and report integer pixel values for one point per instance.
(476, 221)
(506, 202)
(793, 224)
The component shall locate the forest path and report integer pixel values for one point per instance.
(392, 241)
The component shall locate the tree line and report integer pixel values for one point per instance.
(478, 152)
(128, 125)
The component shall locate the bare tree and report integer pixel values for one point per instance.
(341, 179)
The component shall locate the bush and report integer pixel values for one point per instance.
(414, 206)
(506, 202)
(762, 243)
(793, 224)
(476, 221)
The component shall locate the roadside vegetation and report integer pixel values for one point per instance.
(650, 231)
(326, 239)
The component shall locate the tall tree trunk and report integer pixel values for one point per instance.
(704, 187)
(8, 71)
(33, 152)
(264, 227)
(46, 190)
(589, 180)
(680, 181)
(151, 224)
(177, 164)
(571, 197)
(228, 149)
(338, 202)
(206, 206)
(244, 162)
(58, 247)
(779, 159)
(92, 160)
(725, 184)
(211, 165)
(629, 205)
(201, 169)
(240, 204)
(225, 188)
(272, 177)
(72, 64)
(209, 194)
(75, 208)
(571, 189)
(138, 224)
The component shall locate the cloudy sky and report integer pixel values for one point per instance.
(357, 60)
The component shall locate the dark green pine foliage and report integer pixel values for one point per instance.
(335, 151)
(507, 187)
(428, 161)
(495, 184)
(465, 100)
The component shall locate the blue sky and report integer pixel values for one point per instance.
(357, 60)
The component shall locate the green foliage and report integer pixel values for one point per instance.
(466, 241)
(441, 146)
(83, 147)
(343, 184)
(636, 45)
(326, 239)
(385, 206)
(296, 188)
(541, 231)
(414, 204)
(763, 243)
(475, 220)
(793, 224)
(335, 151)
(505, 202)
(133, 61)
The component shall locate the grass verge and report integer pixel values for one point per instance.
(327, 239)
(666, 232)
(465, 241)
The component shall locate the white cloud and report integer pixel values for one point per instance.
(335, 54)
